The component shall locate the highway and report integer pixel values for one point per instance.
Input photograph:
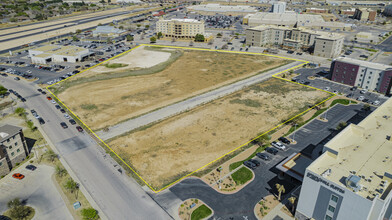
(187, 104)
(117, 195)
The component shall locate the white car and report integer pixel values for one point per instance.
(67, 116)
(327, 88)
(363, 91)
(53, 102)
(278, 145)
(376, 102)
(360, 98)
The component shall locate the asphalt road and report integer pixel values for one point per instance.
(118, 196)
(240, 205)
(187, 104)
(37, 190)
(386, 45)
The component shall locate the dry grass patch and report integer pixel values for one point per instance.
(168, 150)
(121, 95)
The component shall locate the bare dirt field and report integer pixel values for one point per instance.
(105, 99)
(166, 151)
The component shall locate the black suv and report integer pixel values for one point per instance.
(271, 150)
(250, 164)
(255, 162)
(284, 140)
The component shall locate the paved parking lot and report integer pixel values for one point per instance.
(38, 190)
(340, 89)
(241, 204)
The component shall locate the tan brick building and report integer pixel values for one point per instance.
(323, 44)
(13, 148)
(365, 14)
(180, 28)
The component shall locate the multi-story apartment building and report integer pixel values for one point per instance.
(13, 148)
(279, 7)
(321, 43)
(363, 74)
(180, 28)
(352, 179)
(388, 10)
(365, 14)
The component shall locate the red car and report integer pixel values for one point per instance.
(18, 176)
(48, 98)
(80, 129)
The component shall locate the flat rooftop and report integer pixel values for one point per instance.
(7, 131)
(364, 63)
(289, 17)
(69, 50)
(364, 150)
(186, 20)
(223, 8)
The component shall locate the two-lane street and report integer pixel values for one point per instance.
(117, 195)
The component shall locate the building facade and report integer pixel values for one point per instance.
(352, 179)
(321, 43)
(13, 148)
(363, 74)
(365, 14)
(279, 7)
(57, 53)
(180, 28)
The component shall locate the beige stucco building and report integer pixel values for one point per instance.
(13, 148)
(180, 28)
(323, 44)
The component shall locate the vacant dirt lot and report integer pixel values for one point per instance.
(105, 99)
(172, 148)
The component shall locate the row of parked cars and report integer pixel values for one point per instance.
(15, 72)
(253, 164)
(66, 116)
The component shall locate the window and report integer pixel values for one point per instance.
(12, 154)
(18, 150)
(331, 208)
(327, 217)
(333, 197)
(1, 164)
(16, 143)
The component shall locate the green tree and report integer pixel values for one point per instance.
(160, 35)
(51, 155)
(297, 120)
(89, 214)
(153, 39)
(263, 139)
(78, 31)
(219, 35)
(366, 107)
(72, 186)
(121, 27)
(30, 125)
(280, 189)
(14, 203)
(18, 210)
(60, 171)
(147, 26)
(3, 90)
(292, 202)
(75, 38)
(138, 25)
(20, 111)
(199, 38)
(341, 125)
(109, 40)
(129, 38)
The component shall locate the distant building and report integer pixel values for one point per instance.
(323, 44)
(363, 74)
(350, 12)
(365, 14)
(180, 28)
(352, 179)
(13, 148)
(107, 31)
(57, 53)
(212, 9)
(317, 10)
(291, 19)
(279, 7)
(388, 10)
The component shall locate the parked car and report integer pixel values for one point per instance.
(17, 78)
(18, 176)
(278, 145)
(376, 102)
(327, 88)
(64, 125)
(53, 102)
(263, 156)
(361, 98)
(67, 116)
(31, 167)
(250, 164)
(271, 150)
(57, 106)
(39, 90)
(48, 98)
(255, 162)
(41, 121)
(62, 110)
(80, 129)
(284, 140)
(363, 91)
